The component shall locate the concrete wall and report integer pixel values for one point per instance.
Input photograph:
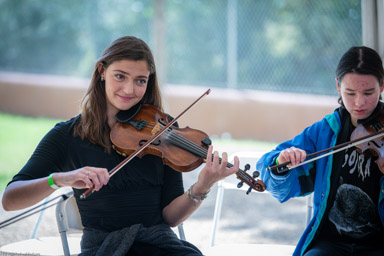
(245, 114)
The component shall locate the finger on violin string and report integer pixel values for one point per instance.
(209, 158)
(224, 157)
(224, 160)
(216, 160)
(236, 164)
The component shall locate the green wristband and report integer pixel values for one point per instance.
(277, 162)
(51, 183)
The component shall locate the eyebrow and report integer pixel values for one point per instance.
(124, 72)
(368, 90)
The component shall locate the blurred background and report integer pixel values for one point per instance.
(270, 66)
(277, 45)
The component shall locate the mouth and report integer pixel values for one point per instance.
(125, 98)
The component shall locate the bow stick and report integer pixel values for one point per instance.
(154, 137)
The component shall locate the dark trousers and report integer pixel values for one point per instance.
(328, 248)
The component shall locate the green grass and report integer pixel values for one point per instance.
(19, 137)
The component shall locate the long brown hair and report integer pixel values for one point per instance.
(93, 124)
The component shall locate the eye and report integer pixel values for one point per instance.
(120, 77)
(141, 81)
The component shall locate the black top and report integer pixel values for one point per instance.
(134, 195)
(352, 214)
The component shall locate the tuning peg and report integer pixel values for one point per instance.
(206, 141)
(256, 174)
(249, 190)
(246, 168)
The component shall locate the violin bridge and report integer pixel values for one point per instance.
(156, 129)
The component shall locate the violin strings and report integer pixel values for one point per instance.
(192, 147)
(183, 142)
(186, 144)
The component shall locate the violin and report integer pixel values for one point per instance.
(183, 149)
(375, 146)
(150, 131)
(366, 137)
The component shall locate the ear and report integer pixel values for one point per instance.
(338, 85)
(100, 68)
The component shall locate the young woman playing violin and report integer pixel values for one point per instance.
(132, 211)
(348, 186)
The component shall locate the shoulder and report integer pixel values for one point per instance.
(67, 126)
(63, 129)
(334, 121)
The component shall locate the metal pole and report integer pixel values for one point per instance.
(232, 44)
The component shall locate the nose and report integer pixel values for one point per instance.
(129, 87)
(360, 100)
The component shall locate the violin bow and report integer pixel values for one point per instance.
(146, 144)
(284, 166)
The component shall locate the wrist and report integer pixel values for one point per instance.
(199, 189)
(51, 181)
(194, 196)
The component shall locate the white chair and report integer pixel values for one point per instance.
(67, 218)
(230, 183)
(69, 221)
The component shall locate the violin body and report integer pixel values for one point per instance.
(128, 137)
(374, 147)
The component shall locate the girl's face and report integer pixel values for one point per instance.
(360, 94)
(125, 84)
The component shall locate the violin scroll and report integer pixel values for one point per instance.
(251, 181)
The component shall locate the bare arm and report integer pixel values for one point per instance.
(182, 207)
(21, 194)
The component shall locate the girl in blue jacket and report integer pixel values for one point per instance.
(348, 186)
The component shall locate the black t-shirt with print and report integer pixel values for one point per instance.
(352, 213)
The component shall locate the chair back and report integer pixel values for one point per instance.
(68, 216)
(69, 221)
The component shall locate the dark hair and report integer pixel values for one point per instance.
(93, 124)
(360, 60)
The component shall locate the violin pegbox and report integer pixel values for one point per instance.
(255, 174)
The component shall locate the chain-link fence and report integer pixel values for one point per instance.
(276, 45)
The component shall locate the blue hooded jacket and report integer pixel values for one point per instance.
(312, 177)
